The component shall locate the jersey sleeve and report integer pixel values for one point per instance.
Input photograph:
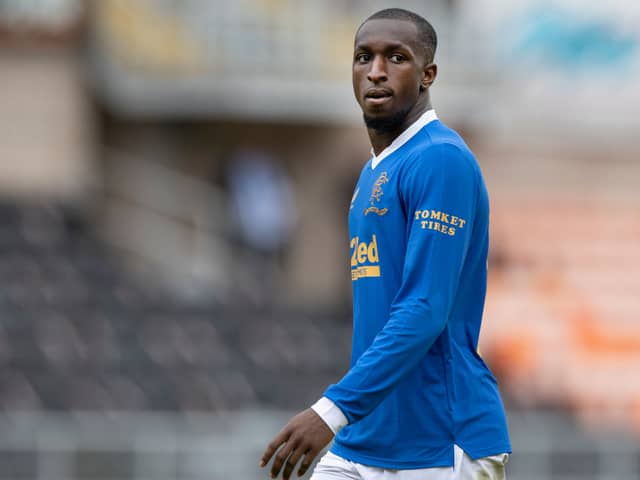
(439, 191)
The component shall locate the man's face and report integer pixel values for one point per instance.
(388, 68)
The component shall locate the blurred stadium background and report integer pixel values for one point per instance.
(174, 183)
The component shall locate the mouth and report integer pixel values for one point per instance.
(378, 96)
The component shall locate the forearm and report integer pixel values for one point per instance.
(398, 348)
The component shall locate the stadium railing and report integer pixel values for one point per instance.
(145, 446)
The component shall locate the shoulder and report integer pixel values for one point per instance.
(444, 156)
(438, 146)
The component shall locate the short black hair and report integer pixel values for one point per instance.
(426, 32)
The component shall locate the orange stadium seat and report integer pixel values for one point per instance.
(562, 305)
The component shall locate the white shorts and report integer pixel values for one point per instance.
(333, 467)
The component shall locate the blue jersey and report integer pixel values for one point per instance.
(419, 236)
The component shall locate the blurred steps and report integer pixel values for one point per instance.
(77, 334)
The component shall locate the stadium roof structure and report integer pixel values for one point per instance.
(289, 62)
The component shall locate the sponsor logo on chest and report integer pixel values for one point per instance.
(364, 258)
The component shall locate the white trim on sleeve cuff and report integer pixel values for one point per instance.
(331, 414)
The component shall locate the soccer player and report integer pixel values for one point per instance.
(418, 401)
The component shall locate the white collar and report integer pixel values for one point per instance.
(427, 117)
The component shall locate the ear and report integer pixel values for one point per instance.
(429, 74)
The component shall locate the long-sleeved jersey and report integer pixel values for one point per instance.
(419, 239)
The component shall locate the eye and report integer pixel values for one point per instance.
(396, 58)
(362, 58)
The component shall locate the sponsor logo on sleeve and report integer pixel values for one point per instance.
(438, 221)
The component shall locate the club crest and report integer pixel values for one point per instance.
(376, 193)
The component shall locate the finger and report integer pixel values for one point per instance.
(292, 462)
(306, 463)
(273, 446)
(282, 456)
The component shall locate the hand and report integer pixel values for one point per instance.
(306, 435)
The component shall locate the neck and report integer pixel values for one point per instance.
(382, 139)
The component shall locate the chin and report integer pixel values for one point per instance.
(385, 122)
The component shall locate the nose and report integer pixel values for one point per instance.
(377, 72)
